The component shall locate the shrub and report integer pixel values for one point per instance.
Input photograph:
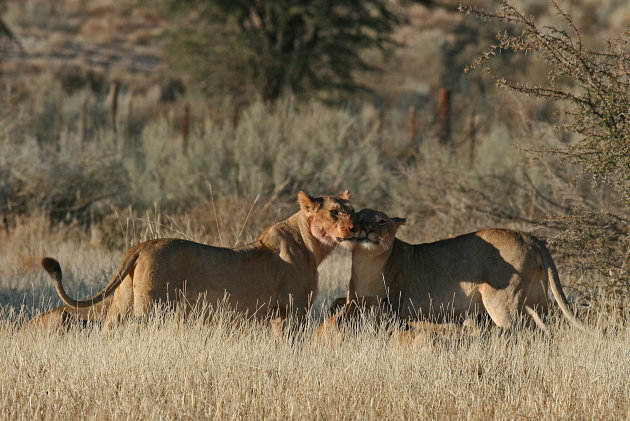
(593, 88)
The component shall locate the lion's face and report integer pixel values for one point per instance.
(331, 217)
(375, 231)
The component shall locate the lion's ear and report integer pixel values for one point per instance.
(307, 202)
(399, 221)
(345, 195)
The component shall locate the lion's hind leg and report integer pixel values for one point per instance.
(508, 311)
(498, 304)
(122, 303)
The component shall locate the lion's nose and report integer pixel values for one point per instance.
(350, 228)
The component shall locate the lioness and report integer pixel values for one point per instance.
(500, 271)
(276, 273)
(63, 317)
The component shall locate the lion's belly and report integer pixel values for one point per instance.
(251, 280)
(206, 274)
(455, 301)
(239, 289)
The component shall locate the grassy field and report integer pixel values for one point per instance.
(231, 368)
(174, 370)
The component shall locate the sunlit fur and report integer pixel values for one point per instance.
(275, 274)
(502, 272)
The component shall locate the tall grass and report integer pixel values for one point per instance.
(233, 368)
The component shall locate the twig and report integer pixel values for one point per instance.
(216, 218)
(246, 218)
(275, 193)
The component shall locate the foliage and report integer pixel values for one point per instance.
(70, 184)
(240, 47)
(594, 88)
(6, 36)
(46, 164)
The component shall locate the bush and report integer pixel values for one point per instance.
(593, 88)
(297, 146)
(72, 183)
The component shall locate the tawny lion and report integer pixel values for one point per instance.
(277, 273)
(502, 272)
(63, 317)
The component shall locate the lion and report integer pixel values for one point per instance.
(275, 274)
(60, 318)
(63, 317)
(501, 272)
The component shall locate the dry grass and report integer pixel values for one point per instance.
(169, 368)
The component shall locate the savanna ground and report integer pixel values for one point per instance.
(85, 192)
(231, 368)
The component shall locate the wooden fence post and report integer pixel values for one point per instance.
(412, 125)
(185, 124)
(31, 108)
(129, 118)
(113, 105)
(10, 102)
(473, 140)
(235, 116)
(444, 121)
(83, 127)
(58, 120)
(381, 121)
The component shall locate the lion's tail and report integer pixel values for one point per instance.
(54, 270)
(556, 289)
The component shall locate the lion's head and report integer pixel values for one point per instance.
(375, 231)
(331, 218)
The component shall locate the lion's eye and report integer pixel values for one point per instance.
(334, 213)
(382, 222)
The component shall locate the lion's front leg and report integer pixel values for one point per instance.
(290, 316)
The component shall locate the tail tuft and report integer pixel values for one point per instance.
(52, 267)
